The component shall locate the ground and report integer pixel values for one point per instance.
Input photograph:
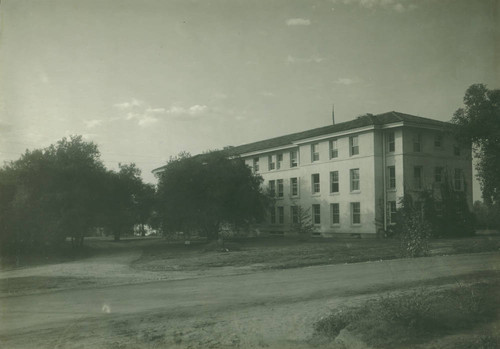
(154, 294)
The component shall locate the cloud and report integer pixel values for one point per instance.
(347, 81)
(298, 21)
(396, 5)
(92, 123)
(192, 110)
(128, 105)
(313, 59)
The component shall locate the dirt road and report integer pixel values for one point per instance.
(268, 306)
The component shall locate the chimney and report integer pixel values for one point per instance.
(333, 114)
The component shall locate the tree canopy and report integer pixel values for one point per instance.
(201, 193)
(64, 191)
(478, 122)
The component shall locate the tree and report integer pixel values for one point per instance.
(201, 193)
(128, 200)
(304, 225)
(49, 194)
(479, 123)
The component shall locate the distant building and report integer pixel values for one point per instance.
(351, 175)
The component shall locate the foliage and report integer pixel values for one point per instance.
(128, 200)
(304, 226)
(201, 193)
(479, 123)
(413, 317)
(487, 216)
(62, 191)
(49, 194)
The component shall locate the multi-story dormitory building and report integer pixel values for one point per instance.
(352, 174)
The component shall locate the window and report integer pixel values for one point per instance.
(334, 152)
(294, 159)
(280, 188)
(334, 182)
(391, 212)
(279, 161)
(417, 138)
(255, 164)
(295, 214)
(281, 215)
(316, 214)
(294, 186)
(314, 152)
(456, 150)
(355, 179)
(391, 144)
(438, 141)
(270, 163)
(315, 183)
(273, 216)
(438, 174)
(335, 213)
(417, 177)
(353, 142)
(355, 213)
(272, 188)
(392, 177)
(457, 179)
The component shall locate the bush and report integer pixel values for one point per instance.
(414, 237)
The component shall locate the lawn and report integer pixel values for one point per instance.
(284, 253)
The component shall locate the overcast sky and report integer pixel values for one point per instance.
(148, 79)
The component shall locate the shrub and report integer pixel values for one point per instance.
(414, 237)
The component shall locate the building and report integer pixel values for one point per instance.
(352, 174)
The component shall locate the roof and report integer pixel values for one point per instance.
(361, 121)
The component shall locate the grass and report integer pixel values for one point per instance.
(419, 317)
(284, 253)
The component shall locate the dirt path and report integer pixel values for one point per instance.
(263, 307)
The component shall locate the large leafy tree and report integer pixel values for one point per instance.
(201, 193)
(478, 122)
(49, 194)
(128, 200)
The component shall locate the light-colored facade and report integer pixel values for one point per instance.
(351, 175)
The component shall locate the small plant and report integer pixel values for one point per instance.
(303, 226)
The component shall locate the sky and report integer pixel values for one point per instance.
(148, 79)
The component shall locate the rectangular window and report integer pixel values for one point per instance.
(458, 179)
(295, 214)
(391, 143)
(391, 212)
(281, 215)
(335, 213)
(417, 177)
(314, 152)
(272, 188)
(270, 163)
(316, 214)
(438, 141)
(438, 174)
(280, 188)
(353, 142)
(315, 183)
(279, 161)
(354, 179)
(392, 177)
(334, 182)
(294, 162)
(334, 152)
(256, 164)
(456, 150)
(355, 213)
(294, 186)
(273, 215)
(417, 143)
